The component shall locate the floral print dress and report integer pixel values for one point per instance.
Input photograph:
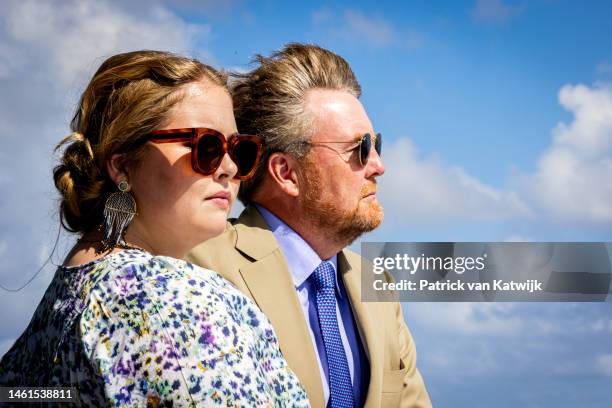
(133, 329)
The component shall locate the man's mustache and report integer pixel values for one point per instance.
(368, 189)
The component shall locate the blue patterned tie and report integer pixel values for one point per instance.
(340, 386)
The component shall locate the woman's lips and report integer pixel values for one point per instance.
(221, 199)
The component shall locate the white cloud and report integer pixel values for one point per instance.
(465, 362)
(494, 11)
(374, 30)
(321, 16)
(427, 189)
(518, 238)
(355, 27)
(600, 325)
(604, 363)
(604, 68)
(509, 340)
(574, 176)
(591, 131)
(572, 181)
(3, 247)
(72, 37)
(574, 368)
(209, 8)
(490, 319)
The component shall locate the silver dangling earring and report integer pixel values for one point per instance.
(119, 211)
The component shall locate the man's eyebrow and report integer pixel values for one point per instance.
(357, 137)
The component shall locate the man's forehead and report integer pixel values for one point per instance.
(336, 112)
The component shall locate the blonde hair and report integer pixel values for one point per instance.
(269, 100)
(128, 97)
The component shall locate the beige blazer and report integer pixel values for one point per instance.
(248, 255)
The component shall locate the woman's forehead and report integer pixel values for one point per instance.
(204, 105)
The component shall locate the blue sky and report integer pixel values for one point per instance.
(497, 119)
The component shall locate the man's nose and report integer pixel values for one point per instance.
(375, 166)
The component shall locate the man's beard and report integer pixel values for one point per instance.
(344, 226)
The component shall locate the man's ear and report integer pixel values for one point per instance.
(283, 170)
(117, 168)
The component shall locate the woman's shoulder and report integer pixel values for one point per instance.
(165, 271)
(139, 265)
(151, 278)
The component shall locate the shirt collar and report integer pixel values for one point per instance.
(300, 256)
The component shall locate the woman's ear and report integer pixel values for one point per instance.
(117, 168)
(282, 168)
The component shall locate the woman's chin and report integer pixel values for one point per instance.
(213, 228)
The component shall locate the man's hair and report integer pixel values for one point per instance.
(269, 100)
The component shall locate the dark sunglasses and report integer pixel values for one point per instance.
(364, 145)
(209, 146)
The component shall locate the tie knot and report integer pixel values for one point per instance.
(325, 276)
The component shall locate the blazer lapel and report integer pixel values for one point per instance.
(271, 286)
(374, 341)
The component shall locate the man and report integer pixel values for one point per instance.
(313, 195)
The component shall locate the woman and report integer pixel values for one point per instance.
(150, 171)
